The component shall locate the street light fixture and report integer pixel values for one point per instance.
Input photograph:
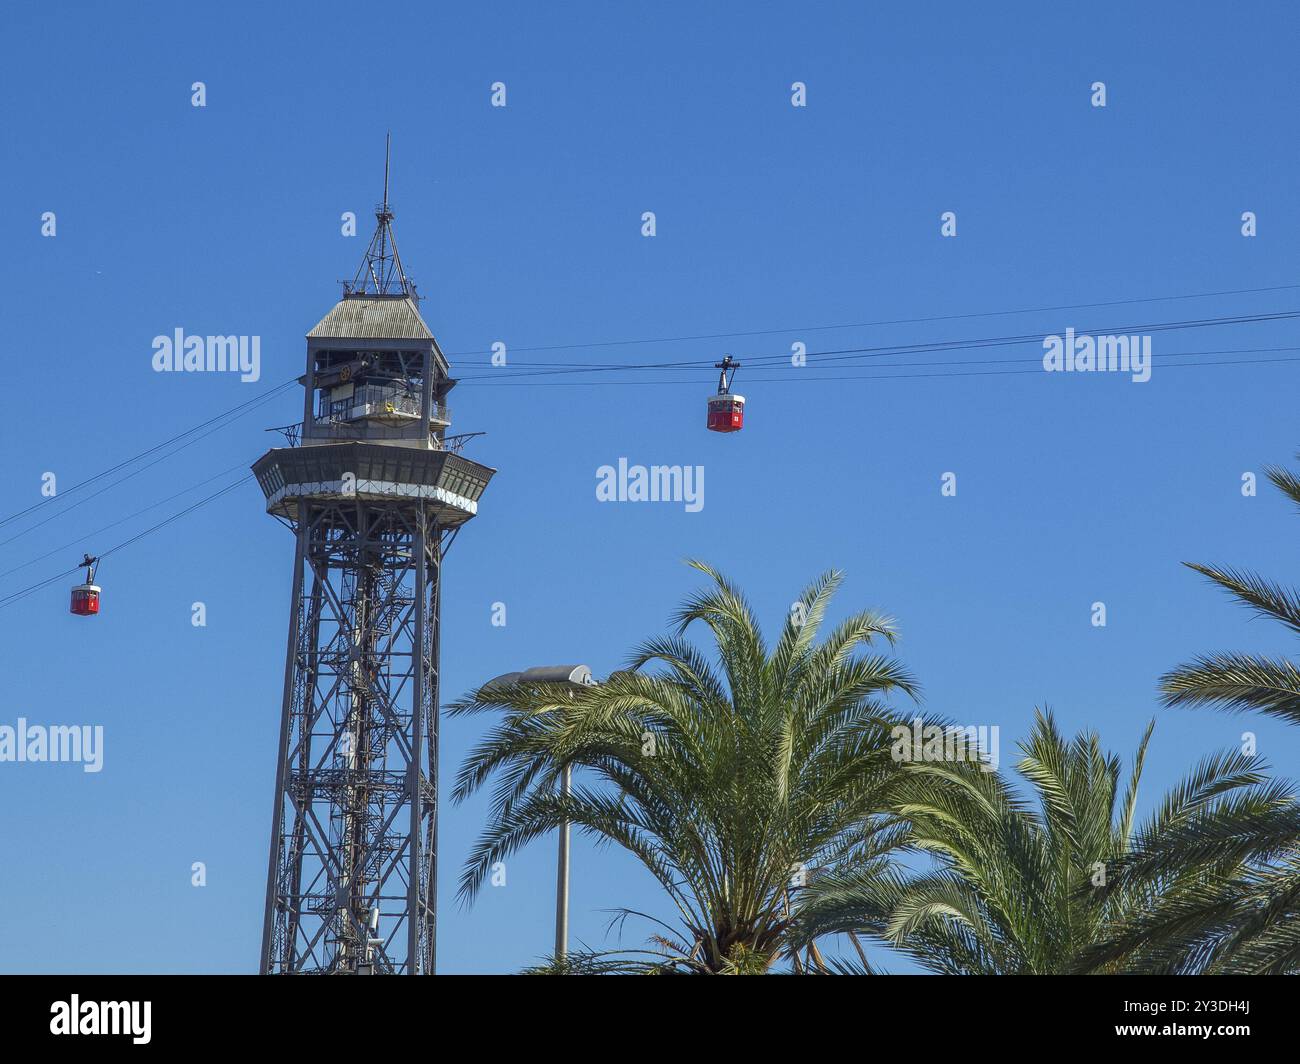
(571, 677)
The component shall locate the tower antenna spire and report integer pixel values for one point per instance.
(388, 154)
(381, 272)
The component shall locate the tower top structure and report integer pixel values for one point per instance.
(381, 272)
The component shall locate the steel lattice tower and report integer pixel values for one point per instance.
(374, 491)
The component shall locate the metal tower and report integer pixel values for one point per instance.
(374, 491)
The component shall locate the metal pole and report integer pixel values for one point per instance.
(282, 754)
(562, 877)
(415, 886)
(433, 642)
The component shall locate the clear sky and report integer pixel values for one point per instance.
(523, 225)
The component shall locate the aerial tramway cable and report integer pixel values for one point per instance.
(17, 596)
(883, 351)
(894, 321)
(801, 379)
(848, 357)
(121, 480)
(245, 407)
(113, 524)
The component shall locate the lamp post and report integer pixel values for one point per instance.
(570, 677)
(562, 876)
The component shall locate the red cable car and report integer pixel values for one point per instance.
(85, 597)
(726, 411)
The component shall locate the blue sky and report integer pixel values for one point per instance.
(523, 225)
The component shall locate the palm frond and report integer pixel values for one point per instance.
(1236, 682)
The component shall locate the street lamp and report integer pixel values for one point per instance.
(570, 677)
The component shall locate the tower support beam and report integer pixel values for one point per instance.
(350, 885)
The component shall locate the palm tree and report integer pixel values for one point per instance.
(1020, 888)
(1240, 682)
(725, 783)
(1255, 923)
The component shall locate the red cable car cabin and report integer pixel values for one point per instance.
(85, 600)
(85, 597)
(726, 413)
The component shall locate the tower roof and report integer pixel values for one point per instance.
(370, 317)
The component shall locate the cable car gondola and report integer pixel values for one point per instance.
(726, 411)
(85, 597)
